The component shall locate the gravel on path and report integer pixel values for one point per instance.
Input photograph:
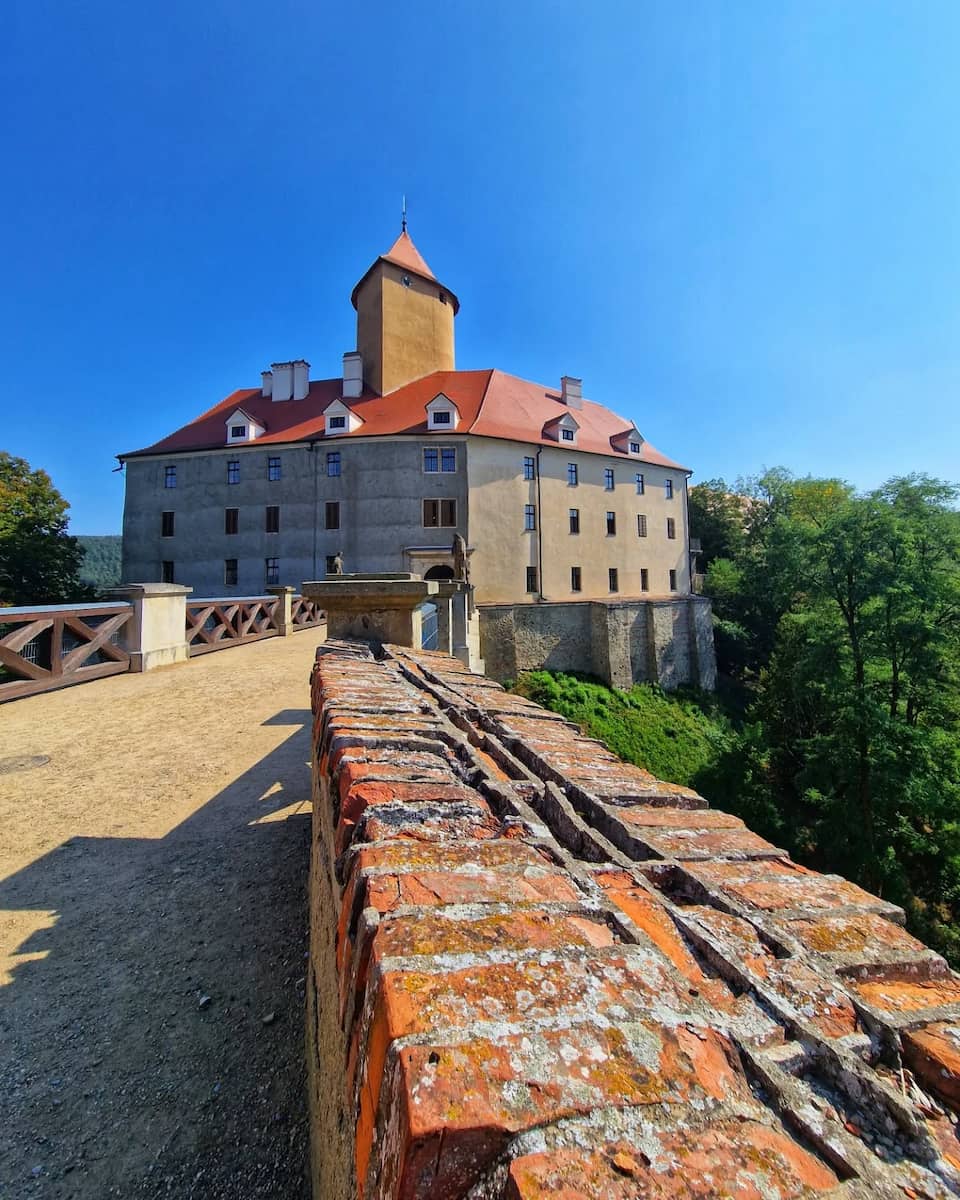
(153, 933)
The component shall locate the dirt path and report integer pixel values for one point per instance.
(153, 932)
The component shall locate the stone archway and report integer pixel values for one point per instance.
(439, 572)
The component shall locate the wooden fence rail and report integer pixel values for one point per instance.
(53, 646)
(306, 613)
(217, 624)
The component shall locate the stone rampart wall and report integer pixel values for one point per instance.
(538, 971)
(666, 641)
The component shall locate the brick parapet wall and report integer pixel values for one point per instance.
(539, 971)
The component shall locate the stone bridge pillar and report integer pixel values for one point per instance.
(373, 608)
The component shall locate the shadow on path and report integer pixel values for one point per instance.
(156, 1049)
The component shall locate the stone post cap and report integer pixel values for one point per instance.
(131, 591)
(281, 589)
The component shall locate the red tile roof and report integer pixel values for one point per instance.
(491, 404)
(404, 254)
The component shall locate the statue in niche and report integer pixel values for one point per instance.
(461, 564)
(337, 565)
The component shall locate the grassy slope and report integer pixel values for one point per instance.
(668, 734)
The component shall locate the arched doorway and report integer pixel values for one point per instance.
(439, 572)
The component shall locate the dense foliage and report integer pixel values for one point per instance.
(101, 560)
(39, 560)
(837, 620)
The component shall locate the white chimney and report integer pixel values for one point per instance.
(282, 380)
(352, 374)
(267, 384)
(571, 391)
(301, 378)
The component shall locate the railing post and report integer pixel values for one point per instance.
(284, 615)
(157, 635)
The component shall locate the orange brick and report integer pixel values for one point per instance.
(933, 1054)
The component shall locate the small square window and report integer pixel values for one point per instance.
(230, 572)
(567, 436)
(641, 486)
(611, 524)
(231, 520)
(166, 572)
(443, 417)
(668, 488)
(233, 471)
(336, 422)
(166, 524)
(273, 468)
(272, 566)
(333, 463)
(273, 518)
(238, 431)
(634, 447)
(608, 483)
(613, 578)
(574, 520)
(644, 580)
(169, 477)
(575, 585)
(673, 581)
(671, 528)
(531, 579)
(641, 525)
(572, 478)
(448, 459)
(332, 514)
(529, 516)
(528, 468)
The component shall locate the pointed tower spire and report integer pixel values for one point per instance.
(403, 215)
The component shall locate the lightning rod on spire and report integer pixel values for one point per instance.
(403, 215)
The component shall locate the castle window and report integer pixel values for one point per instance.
(238, 431)
(668, 488)
(572, 479)
(608, 484)
(332, 514)
(528, 468)
(273, 469)
(405, 280)
(231, 520)
(574, 520)
(166, 571)
(567, 435)
(575, 585)
(336, 422)
(613, 579)
(439, 513)
(641, 525)
(673, 581)
(333, 462)
(273, 518)
(272, 570)
(611, 524)
(671, 528)
(531, 585)
(641, 486)
(166, 524)
(448, 459)
(529, 516)
(230, 572)
(233, 471)
(169, 477)
(634, 447)
(644, 580)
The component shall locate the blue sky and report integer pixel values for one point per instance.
(738, 221)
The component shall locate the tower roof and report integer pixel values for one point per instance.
(404, 254)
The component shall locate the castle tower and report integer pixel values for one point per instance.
(404, 319)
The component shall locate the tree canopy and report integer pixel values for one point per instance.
(39, 560)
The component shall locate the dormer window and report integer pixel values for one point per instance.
(567, 435)
(338, 418)
(563, 429)
(337, 423)
(241, 427)
(442, 413)
(629, 441)
(634, 447)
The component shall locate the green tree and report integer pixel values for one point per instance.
(718, 517)
(39, 560)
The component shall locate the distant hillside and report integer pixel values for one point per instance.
(101, 560)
